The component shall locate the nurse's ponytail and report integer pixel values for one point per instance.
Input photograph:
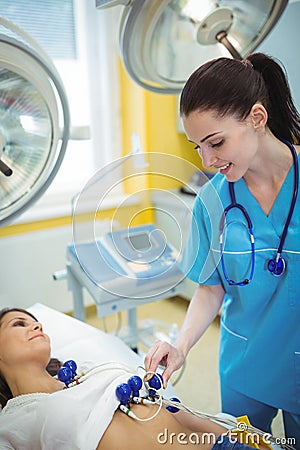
(283, 117)
(231, 86)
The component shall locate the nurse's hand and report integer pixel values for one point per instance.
(164, 354)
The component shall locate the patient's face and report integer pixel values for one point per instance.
(22, 340)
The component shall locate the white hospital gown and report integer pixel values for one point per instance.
(73, 418)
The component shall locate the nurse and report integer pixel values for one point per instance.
(243, 122)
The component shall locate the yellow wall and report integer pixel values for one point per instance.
(136, 214)
(34, 226)
(154, 117)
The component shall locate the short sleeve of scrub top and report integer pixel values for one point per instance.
(199, 260)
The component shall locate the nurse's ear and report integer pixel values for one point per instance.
(258, 116)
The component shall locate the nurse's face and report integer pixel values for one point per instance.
(22, 340)
(224, 143)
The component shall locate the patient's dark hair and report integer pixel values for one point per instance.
(231, 86)
(53, 365)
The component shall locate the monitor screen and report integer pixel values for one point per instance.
(139, 241)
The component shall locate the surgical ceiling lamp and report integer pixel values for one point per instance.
(163, 41)
(34, 121)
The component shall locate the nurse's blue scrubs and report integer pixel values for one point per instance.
(260, 324)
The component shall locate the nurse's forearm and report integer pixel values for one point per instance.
(203, 308)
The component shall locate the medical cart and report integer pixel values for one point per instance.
(123, 270)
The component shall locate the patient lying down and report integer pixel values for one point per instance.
(39, 412)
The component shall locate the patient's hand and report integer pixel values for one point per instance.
(164, 354)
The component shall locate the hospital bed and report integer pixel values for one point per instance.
(74, 339)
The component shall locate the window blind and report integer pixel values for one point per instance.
(50, 22)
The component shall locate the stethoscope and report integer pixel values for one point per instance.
(276, 265)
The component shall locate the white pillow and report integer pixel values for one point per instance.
(73, 339)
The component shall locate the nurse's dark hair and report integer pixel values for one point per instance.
(232, 86)
(53, 365)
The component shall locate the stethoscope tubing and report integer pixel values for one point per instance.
(294, 196)
(234, 204)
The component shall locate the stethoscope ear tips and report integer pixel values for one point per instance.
(276, 266)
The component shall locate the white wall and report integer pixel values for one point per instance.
(283, 44)
(27, 263)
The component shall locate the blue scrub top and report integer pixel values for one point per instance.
(260, 323)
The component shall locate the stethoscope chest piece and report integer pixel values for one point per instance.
(277, 266)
